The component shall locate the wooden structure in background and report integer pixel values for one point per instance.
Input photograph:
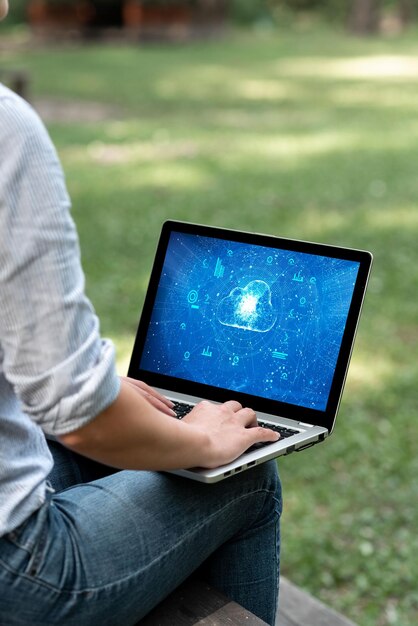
(146, 19)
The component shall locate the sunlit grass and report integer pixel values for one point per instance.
(363, 378)
(369, 68)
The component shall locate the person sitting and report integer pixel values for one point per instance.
(92, 532)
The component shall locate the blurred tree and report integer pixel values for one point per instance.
(363, 17)
(407, 11)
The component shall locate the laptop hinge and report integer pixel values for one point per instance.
(303, 424)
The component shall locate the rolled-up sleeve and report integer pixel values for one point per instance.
(61, 370)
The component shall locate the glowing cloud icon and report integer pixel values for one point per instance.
(249, 308)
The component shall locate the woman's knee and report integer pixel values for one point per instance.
(268, 477)
(264, 481)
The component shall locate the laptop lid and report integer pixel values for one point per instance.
(264, 320)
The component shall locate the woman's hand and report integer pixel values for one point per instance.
(230, 428)
(156, 399)
(137, 431)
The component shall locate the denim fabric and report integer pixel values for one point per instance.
(104, 553)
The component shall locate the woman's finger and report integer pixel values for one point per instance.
(248, 417)
(161, 406)
(146, 389)
(233, 405)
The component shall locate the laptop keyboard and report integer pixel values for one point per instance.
(181, 409)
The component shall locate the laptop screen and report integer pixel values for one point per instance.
(260, 320)
(248, 318)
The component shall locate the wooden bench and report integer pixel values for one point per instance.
(198, 604)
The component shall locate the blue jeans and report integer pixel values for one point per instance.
(105, 548)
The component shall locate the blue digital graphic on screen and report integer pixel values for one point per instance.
(249, 318)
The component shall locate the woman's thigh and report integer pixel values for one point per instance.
(107, 551)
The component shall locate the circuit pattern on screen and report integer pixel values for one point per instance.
(250, 318)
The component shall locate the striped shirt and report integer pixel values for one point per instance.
(56, 373)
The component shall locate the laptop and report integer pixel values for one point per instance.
(267, 321)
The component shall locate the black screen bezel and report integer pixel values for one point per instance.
(274, 407)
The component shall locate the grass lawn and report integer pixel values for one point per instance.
(301, 133)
